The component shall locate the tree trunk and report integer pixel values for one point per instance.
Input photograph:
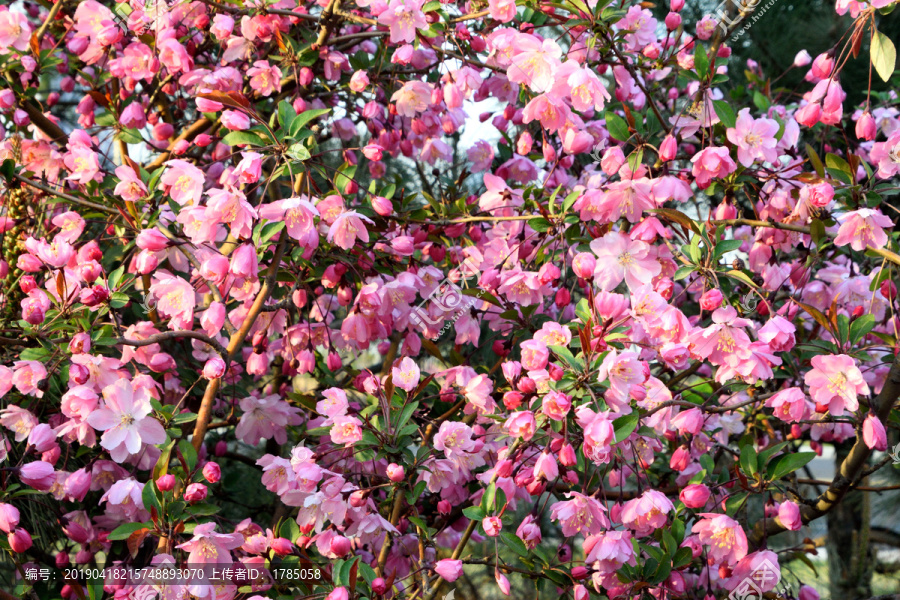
(850, 558)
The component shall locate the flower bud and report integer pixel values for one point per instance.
(166, 483)
(212, 472)
(196, 492)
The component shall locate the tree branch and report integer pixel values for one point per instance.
(851, 469)
(170, 335)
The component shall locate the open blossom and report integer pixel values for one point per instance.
(125, 420)
(621, 258)
(404, 17)
(647, 513)
(790, 405)
(863, 229)
(712, 163)
(184, 182)
(406, 375)
(535, 62)
(414, 97)
(754, 138)
(874, 434)
(581, 515)
(347, 228)
(265, 78)
(725, 537)
(609, 550)
(835, 382)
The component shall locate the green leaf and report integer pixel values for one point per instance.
(884, 55)
(298, 152)
(815, 160)
(202, 509)
(123, 532)
(150, 497)
(286, 114)
(683, 272)
(726, 246)
(118, 299)
(583, 310)
(617, 127)
(130, 136)
(725, 113)
(189, 454)
(487, 500)
(474, 512)
(748, 459)
(861, 326)
(701, 61)
(788, 463)
(624, 426)
(514, 543)
(408, 410)
(304, 118)
(566, 354)
(843, 323)
(239, 138)
(116, 277)
(539, 224)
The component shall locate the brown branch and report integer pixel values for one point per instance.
(170, 335)
(850, 471)
(234, 344)
(64, 196)
(882, 252)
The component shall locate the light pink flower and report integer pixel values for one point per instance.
(863, 229)
(712, 163)
(125, 420)
(754, 138)
(621, 258)
(406, 375)
(580, 515)
(835, 382)
(347, 228)
(726, 539)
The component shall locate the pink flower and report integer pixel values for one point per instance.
(863, 229)
(521, 424)
(711, 300)
(790, 405)
(789, 516)
(874, 434)
(15, 31)
(449, 569)
(621, 258)
(556, 405)
(726, 539)
(754, 138)
(347, 228)
(19, 540)
(184, 182)
(835, 382)
(404, 17)
(454, 439)
(339, 593)
(38, 474)
(406, 375)
(214, 368)
(647, 513)
(334, 405)
(545, 467)
(808, 593)
(222, 26)
(778, 333)
(230, 206)
(175, 299)
(346, 430)
(414, 97)
(27, 377)
(130, 186)
(195, 492)
(264, 78)
(712, 163)
(235, 120)
(395, 472)
(609, 550)
(208, 547)
(299, 215)
(887, 156)
(529, 531)
(492, 526)
(125, 420)
(502, 10)
(534, 62)
(580, 515)
(9, 517)
(695, 495)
